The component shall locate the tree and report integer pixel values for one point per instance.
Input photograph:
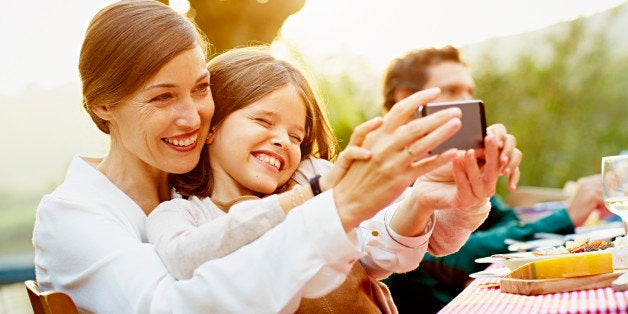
(233, 23)
(567, 110)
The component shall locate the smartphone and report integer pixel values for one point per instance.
(473, 130)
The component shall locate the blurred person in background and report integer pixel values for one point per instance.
(440, 278)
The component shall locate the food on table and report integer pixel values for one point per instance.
(620, 253)
(566, 266)
(579, 245)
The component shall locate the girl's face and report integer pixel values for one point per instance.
(165, 122)
(256, 149)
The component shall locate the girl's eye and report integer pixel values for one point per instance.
(263, 121)
(161, 97)
(296, 138)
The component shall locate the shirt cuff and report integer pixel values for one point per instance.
(411, 242)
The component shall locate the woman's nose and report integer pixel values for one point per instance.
(188, 115)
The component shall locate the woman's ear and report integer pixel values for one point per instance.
(103, 112)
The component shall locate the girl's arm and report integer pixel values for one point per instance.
(188, 233)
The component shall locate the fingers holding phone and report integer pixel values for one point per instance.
(473, 131)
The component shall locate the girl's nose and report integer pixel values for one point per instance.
(280, 139)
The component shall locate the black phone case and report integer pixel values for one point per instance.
(473, 130)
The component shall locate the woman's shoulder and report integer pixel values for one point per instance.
(82, 181)
(87, 190)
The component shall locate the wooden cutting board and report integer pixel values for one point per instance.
(544, 286)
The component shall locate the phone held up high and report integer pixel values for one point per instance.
(473, 130)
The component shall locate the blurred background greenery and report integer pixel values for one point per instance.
(563, 93)
(562, 90)
(567, 106)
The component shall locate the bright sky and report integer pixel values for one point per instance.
(41, 39)
(40, 42)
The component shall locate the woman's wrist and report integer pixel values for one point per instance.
(410, 221)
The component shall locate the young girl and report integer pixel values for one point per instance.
(267, 123)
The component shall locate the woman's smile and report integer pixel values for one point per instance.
(183, 143)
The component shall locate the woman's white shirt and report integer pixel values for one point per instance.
(90, 241)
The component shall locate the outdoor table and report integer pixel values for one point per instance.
(483, 296)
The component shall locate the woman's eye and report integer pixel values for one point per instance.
(202, 88)
(161, 97)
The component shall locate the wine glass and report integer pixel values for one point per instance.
(615, 186)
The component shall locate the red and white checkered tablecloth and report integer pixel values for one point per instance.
(483, 296)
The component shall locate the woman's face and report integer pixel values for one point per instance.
(165, 122)
(257, 148)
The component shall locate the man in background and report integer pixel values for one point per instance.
(439, 279)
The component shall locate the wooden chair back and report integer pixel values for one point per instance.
(49, 302)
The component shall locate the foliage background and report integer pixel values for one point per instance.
(566, 106)
(567, 110)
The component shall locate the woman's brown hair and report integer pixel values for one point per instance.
(126, 44)
(242, 76)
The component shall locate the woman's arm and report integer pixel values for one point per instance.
(96, 254)
(90, 241)
(460, 192)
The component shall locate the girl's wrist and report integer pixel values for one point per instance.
(298, 195)
(315, 185)
(324, 183)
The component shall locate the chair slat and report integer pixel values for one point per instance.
(49, 302)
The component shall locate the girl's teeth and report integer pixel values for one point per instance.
(271, 161)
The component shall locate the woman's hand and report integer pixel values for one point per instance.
(510, 156)
(468, 181)
(352, 152)
(399, 155)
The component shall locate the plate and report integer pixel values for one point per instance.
(554, 240)
(494, 272)
(502, 257)
(513, 260)
(516, 246)
(605, 234)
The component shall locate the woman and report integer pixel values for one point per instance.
(146, 85)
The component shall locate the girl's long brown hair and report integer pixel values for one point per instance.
(242, 76)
